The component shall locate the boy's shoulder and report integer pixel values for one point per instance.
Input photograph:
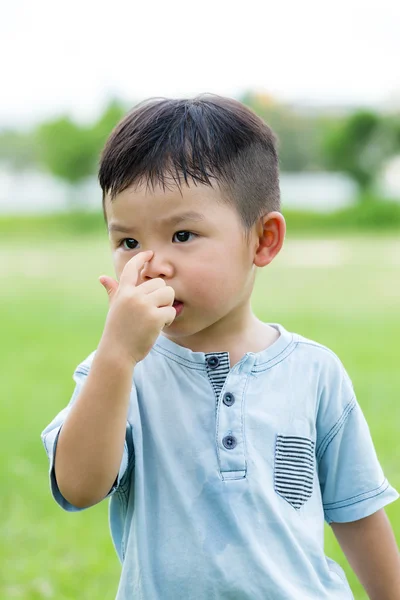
(312, 349)
(309, 344)
(334, 386)
(320, 357)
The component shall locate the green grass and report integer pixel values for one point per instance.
(53, 311)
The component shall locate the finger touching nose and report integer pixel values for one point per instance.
(156, 267)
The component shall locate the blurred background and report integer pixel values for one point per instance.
(325, 77)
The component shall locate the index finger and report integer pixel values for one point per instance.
(134, 265)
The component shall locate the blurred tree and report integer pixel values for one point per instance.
(66, 149)
(360, 145)
(107, 121)
(70, 151)
(391, 124)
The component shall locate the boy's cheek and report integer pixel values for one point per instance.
(119, 265)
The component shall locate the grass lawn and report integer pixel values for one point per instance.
(342, 293)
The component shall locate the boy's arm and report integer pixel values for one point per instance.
(91, 441)
(371, 549)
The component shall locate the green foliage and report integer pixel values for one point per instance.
(71, 151)
(53, 225)
(360, 144)
(356, 144)
(60, 146)
(369, 214)
(66, 149)
(106, 123)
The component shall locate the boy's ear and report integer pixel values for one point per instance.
(271, 230)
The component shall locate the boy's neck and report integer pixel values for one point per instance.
(255, 337)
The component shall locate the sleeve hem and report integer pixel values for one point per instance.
(122, 471)
(353, 510)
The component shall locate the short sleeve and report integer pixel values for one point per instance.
(51, 433)
(352, 482)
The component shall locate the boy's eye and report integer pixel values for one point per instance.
(184, 233)
(131, 242)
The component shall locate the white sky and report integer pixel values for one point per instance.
(59, 56)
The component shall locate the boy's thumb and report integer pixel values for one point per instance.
(109, 284)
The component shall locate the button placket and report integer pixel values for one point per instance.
(230, 428)
(229, 385)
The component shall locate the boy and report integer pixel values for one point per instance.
(223, 442)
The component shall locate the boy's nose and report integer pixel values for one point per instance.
(156, 267)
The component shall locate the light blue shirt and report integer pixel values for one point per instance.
(228, 474)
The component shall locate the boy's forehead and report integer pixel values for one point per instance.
(175, 219)
(199, 202)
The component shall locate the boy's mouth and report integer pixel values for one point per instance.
(178, 305)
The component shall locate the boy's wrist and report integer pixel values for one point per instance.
(113, 354)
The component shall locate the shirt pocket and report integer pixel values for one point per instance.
(294, 465)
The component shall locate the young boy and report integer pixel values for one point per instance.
(223, 442)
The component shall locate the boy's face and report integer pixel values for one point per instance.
(207, 262)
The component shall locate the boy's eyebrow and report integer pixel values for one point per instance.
(190, 215)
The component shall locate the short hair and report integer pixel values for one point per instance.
(208, 139)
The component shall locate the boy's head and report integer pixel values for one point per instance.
(209, 139)
(210, 155)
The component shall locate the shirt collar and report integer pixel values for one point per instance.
(277, 350)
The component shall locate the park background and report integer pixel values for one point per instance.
(326, 80)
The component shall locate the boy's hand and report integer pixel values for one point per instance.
(137, 313)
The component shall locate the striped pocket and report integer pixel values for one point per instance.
(294, 468)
